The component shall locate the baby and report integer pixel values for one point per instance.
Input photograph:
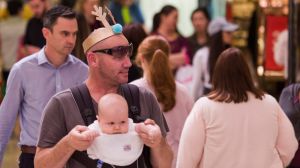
(113, 118)
(118, 143)
(113, 114)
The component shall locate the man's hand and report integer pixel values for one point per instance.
(81, 137)
(149, 132)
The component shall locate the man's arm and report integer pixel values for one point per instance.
(56, 156)
(10, 107)
(56, 143)
(79, 138)
(161, 152)
(162, 155)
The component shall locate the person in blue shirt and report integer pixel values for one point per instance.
(36, 78)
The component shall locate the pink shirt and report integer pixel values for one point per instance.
(175, 117)
(255, 134)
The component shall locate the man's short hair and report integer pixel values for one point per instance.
(54, 13)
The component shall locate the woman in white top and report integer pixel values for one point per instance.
(236, 125)
(220, 32)
(173, 97)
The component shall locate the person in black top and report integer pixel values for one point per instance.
(33, 38)
(200, 19)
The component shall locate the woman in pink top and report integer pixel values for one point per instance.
(173, 97)
(236, 125)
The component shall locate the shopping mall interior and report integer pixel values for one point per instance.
(261, 24)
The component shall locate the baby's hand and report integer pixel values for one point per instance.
(149, 132)
(81, 137)
(153, 131)
(90, 134)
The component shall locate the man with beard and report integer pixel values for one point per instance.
(63, 132)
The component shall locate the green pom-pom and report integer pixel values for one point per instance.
(117, 28)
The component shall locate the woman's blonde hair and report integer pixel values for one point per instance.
(155, 50)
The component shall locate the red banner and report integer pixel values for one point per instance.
(274, 26)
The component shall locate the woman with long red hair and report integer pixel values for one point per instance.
(174, 99)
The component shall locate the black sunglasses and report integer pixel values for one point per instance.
(117, 52)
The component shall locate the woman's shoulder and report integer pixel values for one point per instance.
(266, 98)
(181, 88)
(203, 101)
(144, 88)
(202, 53)
(139, 82)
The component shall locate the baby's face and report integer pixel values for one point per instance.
(114, 122)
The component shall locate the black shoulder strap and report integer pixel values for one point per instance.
(132, 96)
(84, 102)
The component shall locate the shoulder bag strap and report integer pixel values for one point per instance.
(84, 102)
(132, 96)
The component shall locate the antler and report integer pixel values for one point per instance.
(99, 16)
(110, 14)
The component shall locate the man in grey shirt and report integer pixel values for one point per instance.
(36, 78)
(63, 131)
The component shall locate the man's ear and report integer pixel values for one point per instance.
(46, 32)
(91, 58)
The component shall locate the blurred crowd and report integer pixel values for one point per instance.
(21, 27)
(193, 78)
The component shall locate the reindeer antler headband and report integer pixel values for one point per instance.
(101, 33)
